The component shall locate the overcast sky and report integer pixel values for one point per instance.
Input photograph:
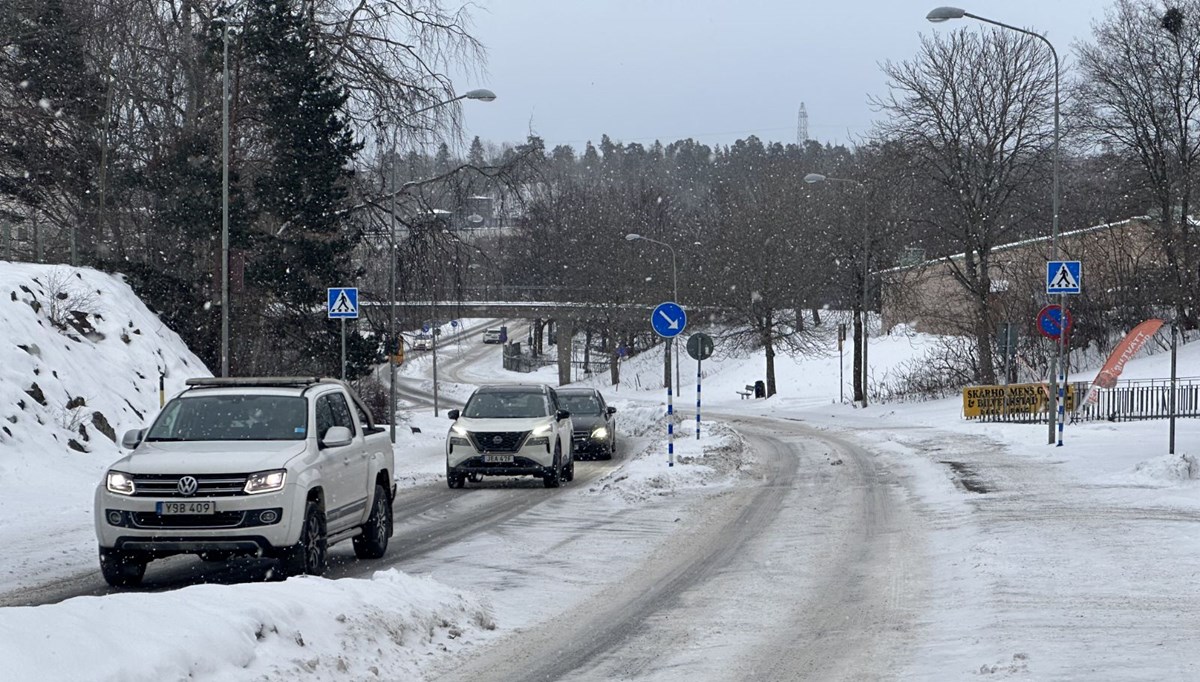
(714, 70)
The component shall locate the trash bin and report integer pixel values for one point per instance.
(760, 389)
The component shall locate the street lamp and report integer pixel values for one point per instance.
(1058, 396)
(632, 237)
(860, 361)
(482, 95)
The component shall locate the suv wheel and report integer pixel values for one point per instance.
(553, 477)
(374, 539)
(122, 569)
(455, 480)
(307, 557)
(569, 473)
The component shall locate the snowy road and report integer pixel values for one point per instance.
(815, 572)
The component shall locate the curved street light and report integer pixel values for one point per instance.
(482, 95)
(941, 14)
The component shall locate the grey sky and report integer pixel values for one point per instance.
(714, 70)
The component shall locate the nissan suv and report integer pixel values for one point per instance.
(514, 430)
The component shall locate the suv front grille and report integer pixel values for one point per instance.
(498, 441)
(210, 485)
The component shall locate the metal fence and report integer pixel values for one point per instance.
(1133, 400)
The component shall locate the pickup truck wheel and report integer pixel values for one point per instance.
(307, 557)
(374, 539)
(122, 569)
(553, 478)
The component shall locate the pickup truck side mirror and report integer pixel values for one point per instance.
(336, 437)
(453, 414)
(563, 414)
(132, 438)
(611, 410)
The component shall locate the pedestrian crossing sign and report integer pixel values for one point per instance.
(342, 303)
(1064, 276)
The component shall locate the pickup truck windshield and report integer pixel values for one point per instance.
(232, 417)
(505, 406)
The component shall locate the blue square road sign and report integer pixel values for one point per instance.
(342, 303)
(1064, 277)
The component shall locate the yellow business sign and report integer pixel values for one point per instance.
(988, 401)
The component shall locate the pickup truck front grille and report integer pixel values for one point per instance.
(218, 520)
(208, 485)
(498, 441)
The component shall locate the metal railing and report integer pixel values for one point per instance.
(1133, 400)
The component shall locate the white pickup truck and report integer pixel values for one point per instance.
(274, 467)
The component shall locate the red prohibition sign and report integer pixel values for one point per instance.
(1050, 321)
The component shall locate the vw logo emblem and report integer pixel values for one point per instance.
(497, 439)
(187, 486)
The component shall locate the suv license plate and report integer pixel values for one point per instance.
(498, 459)
(169, 508)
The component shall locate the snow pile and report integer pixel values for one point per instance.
(715, 460)
(308, 628)
(1168, 468)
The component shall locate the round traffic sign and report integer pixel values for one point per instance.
(700, 346)
(1050, 321)
(668, 319)
(453, 323)
(425, 327)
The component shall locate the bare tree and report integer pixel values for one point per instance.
(1139, 92)
(974, 108)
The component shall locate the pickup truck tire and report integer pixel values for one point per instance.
(122, 569)
(374, 539)
(307, 557)
(553, 478)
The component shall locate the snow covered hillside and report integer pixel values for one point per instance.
(80, 361)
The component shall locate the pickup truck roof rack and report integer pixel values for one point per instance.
(223, 382)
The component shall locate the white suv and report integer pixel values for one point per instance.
(516, 430)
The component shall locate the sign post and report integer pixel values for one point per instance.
(1063, 277)
(841, 363)
(700, 347)
(341, 303)
(669, 320)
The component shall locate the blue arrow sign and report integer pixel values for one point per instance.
(668, 319)
(342, 303)
(1064, 276)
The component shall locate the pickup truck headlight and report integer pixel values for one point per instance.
(266, 482)
(600, 433)
(119, 483)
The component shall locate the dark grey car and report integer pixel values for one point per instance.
(595, 422)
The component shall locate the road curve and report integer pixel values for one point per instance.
(813, 573)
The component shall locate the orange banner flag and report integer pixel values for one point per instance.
(1125, 350)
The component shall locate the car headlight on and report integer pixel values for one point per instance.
(265, 482)
(541, 430)
(600, 433)
(119, 483)
(458, 429)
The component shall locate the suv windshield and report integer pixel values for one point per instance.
(232, 417)
(579, 404)
(506, 405)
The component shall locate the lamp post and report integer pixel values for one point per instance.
(860, 361)
(1058, 396)
(225, 199)
(632, 237)
(483, 96)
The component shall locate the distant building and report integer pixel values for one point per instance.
(925, 294)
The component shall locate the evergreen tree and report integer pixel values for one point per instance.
(475, 155)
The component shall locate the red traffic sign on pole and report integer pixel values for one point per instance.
(1050, 321)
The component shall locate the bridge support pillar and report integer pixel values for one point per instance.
(565, 334)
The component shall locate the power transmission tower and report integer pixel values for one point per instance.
(802, 125)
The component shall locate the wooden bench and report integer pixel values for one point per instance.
(748, 392)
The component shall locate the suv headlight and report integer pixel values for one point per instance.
(458, 429)
(600, 433)
(541, 430)
(265, 482)
(119, 483)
